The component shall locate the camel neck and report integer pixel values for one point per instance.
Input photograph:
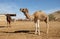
(27, 15)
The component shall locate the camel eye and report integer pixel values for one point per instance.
(23, 9)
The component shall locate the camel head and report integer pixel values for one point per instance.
(24, 10)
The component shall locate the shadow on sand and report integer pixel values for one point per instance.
(2, 26)
(24, 31)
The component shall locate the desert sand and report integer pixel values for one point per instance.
(25, 30)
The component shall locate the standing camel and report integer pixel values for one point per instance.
(37, 17)
(8, 18)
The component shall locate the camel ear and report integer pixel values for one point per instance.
(20, 8)
(26, 9)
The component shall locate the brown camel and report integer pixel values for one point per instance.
(8, 18)
(37, 16)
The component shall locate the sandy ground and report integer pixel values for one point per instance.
(25, 30)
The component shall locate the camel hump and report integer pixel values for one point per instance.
(40, 15)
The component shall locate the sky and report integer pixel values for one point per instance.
(13, 6)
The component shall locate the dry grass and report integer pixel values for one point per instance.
(25, 30)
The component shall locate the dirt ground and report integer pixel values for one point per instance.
(25, 30)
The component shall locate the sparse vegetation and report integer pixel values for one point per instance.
(55, 16)
(51, 17)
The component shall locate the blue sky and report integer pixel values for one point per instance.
(13, 6)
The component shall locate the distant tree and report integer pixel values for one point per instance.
(51, 17)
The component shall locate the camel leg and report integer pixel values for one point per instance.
(8, 24)
(38, 27)
(47, 25)
(47, 28)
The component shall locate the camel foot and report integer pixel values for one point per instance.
(35, 33)
(38, 33)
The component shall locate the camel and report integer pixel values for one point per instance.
(8, 18)
(37, 17)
